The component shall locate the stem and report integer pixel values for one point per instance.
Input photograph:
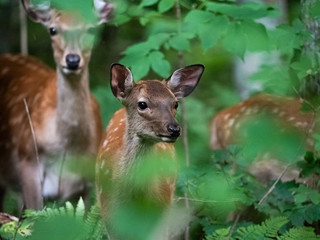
(184, 120)
(34, 141)
(23, 31)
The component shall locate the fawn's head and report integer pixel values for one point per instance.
(152, 105)
(72, 26)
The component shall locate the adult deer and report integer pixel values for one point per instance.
(64, 117)
(259, 122)
(141, 134)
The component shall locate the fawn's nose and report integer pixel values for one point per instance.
(73, 61)
(174, 130)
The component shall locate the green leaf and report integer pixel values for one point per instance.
(315, 10)
(80, 209)
(198, 16)
(244, 11)
(140, 67)
(234, 40)
(179, 42)
(148, 3)
(303, 66)
(155, 41)
(139, 49)
(256, 35)
(159, 65)
(165, 5)
(211, 32)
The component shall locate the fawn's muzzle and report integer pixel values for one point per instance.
(174, 130)
(73, 61)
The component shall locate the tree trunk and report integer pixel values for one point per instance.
(310, 85)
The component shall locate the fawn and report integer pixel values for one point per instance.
(64, 117)
(232, 126)
(141, 132)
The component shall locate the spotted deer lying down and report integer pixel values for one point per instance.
(64, 116)
(230, 126)
(140, 134)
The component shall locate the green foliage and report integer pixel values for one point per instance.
(66, 222)
(269, 229)
(217, 184)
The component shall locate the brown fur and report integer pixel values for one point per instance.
(227, 126)
(24, 77)
(137, 136)
(65, 117)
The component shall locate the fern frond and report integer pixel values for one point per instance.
(80, 209)
(220, 234)
(95, 227)
(299, 233)
(267, 230)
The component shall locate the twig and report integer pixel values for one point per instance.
(35, 143)
(206, 201)
(60, 172)
(23, 31)
(234, 226)
(274, 185)
(184, 121)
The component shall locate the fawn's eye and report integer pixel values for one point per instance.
(53, 31)
(142, 105)
(176, 105)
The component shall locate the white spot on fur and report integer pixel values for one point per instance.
(242, 109)
(102, 164)
(281, 114)
(231, 122)
(255, 109)
(248, 111)
(275, 110)
(105, 143)
(291, 118)
(226, 116)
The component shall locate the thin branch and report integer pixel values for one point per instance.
(184, 120)
(34, 143)
(23, 31)
(206, 201)
(234, 226)
(60, 172)
(273, 185)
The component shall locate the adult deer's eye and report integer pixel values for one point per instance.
(53, 31)
(176, 105)
(142, 105)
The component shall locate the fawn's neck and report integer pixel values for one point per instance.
(134, 148)
(74, 112)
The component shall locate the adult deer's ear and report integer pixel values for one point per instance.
(121, 81)
(104, 10)
(184, 80)
(40, 12)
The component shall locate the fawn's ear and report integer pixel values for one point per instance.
(184, 80)
(121, 81)
(104, 10)
(40, 12)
